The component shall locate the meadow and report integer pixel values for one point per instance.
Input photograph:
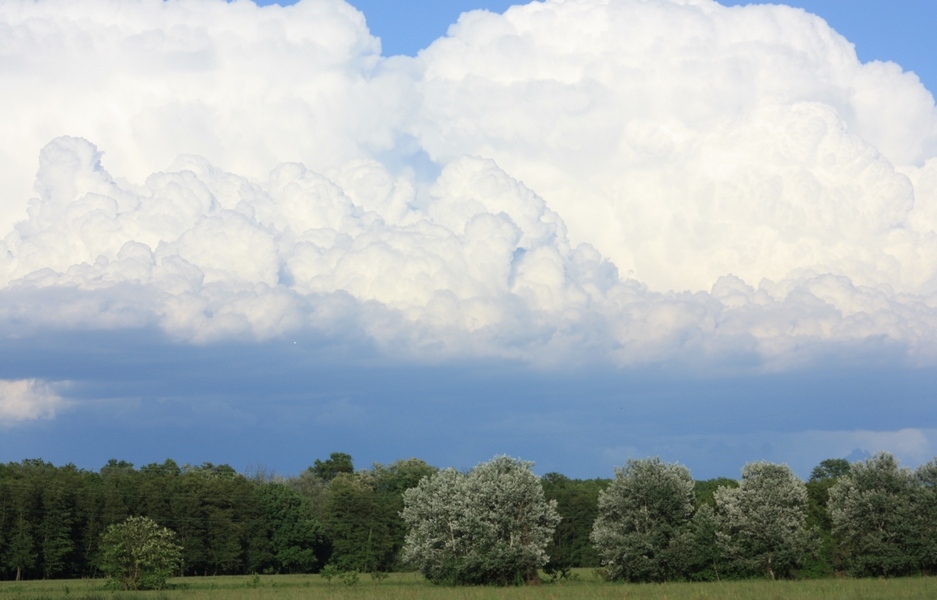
(409, 586)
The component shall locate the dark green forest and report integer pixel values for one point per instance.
(52, 518)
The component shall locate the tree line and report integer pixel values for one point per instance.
(651, 522)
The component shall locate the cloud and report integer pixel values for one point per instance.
(484, 268)
(27, 400)
(248, 86)
(662, 181)
(687, 141)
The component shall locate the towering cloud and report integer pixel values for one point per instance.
(574, 180)
(687, 140)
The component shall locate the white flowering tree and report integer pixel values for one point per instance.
(875, 516)
(762, 522)
(642, 531)
(139, 554)
(490, 526)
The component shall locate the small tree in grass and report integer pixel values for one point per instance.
(138, 554)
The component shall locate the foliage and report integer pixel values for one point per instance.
(641, 531)
(338, 462)
(329, 571)
(872, 508)
(705, 489)
(926, 547)
(490, 526)
(823, 477)
(577, 504)
(52, 520)
(349, 577)
(762, 523)
(358, 526)
(296, 538)
(139, 554)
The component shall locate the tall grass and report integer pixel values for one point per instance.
(404, 586)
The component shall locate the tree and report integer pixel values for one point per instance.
(357, 525)
(823, 477)
(389, 483)
(577, 503)
(874, 519)
(926, 477)
(55, 529)
(706, 489)
(490, 526)
(139, 554)
(295, 536)
(641, 530)
(338, 462)
(762, 523)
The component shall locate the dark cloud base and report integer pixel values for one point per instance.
(143, 398)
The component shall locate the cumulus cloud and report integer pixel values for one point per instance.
(27, 400)
(149, 80)
(687, 140)
(482, 267)
(623, 182)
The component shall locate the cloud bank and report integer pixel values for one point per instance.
(573, 181)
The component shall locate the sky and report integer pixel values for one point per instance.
(572, 231)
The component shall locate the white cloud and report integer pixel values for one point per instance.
(687, 141)
(27, 400)
(249, 87)
(483, 269)
(592, 156)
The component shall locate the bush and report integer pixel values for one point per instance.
(138, 554)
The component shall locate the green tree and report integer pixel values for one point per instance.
(389, 483)
(762, 523)
(55, 528)
(577, 503)
(338, 462)
(823, 477)
(296, 538)
(22, 552)
(315, 489)
(705, 489)
(641, 531)
(139, 554)
(219, 522)
(490, 526)
(358, 527)
(119, 491)
(875, 522)
(926, 508)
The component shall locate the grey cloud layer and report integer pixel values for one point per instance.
(593, 156)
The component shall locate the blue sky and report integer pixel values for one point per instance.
(576, 233)
(887, 31)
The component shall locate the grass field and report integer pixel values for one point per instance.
(410, 587)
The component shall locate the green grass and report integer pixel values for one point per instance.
(405, 586)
